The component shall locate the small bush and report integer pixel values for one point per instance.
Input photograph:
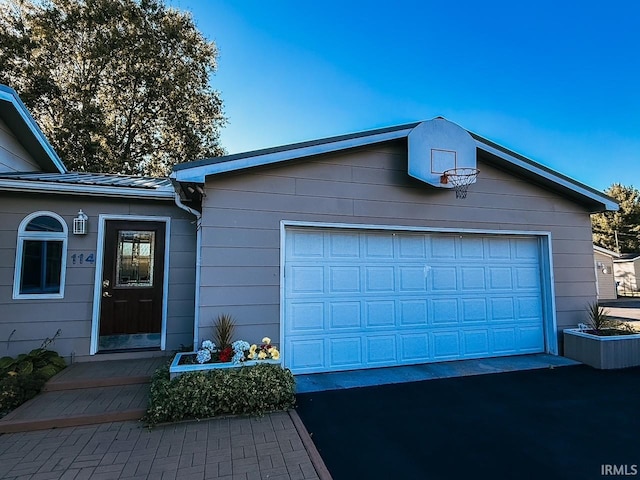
(23, 377)
(253, 390)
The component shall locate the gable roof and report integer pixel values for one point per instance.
(15, 114)
(197, 171)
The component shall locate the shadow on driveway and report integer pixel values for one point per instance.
(555, 423)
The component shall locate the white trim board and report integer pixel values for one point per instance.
(97, 287)
(546, 267)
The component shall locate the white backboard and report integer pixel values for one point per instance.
(438, 145)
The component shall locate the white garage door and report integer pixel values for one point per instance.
(364, 299)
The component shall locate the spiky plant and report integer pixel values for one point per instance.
(599, 320)
(223, 329)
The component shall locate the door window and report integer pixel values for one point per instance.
(134, 261)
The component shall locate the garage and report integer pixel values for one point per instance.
(366, 298)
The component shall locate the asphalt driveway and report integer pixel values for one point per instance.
(563, 423)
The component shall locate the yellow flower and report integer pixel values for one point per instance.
(262, 355)
(266, 340)
(251, 355)
(253, 348)
(275, 354)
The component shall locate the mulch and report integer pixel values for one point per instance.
(563, 423)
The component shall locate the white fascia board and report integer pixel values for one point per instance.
(604, 251)
(608, 204)
(33, 127)
(199, 174)
(94, 190)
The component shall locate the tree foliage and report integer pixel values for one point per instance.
(626, 221)
(118, 86)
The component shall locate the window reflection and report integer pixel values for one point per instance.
(134, 266)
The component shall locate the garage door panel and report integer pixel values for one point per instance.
(414, 347)
(443, 247)
(473, 278)
(346, 352)
(476, 342)
(305, 317)
(381, 349)
(387, 298)
(380, 314)
(306, 355)
(413, 312)
(502, 309)
(443, 279)
(474, 310)
(530, 338)
(445, 310)
(305, 279)
(413, 279)
(379, 279)
(344, 279)
(412, 246)
(344, 245)
(446, 345)
(344, 315)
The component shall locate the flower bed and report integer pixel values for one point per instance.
(602, 351)
(238, 354)
(179, 366)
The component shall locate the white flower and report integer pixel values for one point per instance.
(203, 356)
(209, 345)
(240, 346)
(266, 340)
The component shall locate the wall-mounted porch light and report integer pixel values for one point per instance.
(80, 223)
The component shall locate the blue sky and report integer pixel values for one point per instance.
(557, 81)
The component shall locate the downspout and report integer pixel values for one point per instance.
(196, 311)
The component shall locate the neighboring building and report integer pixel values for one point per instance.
(127, 283)
(352, 253)
(604, 265)
(626, 269)
(349, 252)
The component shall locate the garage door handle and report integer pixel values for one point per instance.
(106, 295)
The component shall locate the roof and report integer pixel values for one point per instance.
(17, 117)
(628, 257)
(197, 171)
(604, 251)
(82, 183)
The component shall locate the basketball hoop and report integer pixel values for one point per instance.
(460, 178)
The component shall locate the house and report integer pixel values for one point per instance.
(354, 252)
(606, 280)
(125, 281)
(349, 252)
(626, 269)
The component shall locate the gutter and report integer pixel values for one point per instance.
(196, 311)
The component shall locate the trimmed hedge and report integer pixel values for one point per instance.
(254, 390)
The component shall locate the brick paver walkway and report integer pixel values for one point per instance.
(237, 448)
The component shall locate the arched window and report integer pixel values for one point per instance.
(41, 256)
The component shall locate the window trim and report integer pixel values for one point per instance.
(23, 235)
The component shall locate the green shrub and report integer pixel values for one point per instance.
(249, 390)
(23, 377)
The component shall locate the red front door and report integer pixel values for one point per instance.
(132, 285)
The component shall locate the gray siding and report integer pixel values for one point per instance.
(13, 156)
(369, 186)
(606, 281)
(24, 324)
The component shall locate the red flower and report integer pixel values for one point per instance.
(226, 355)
